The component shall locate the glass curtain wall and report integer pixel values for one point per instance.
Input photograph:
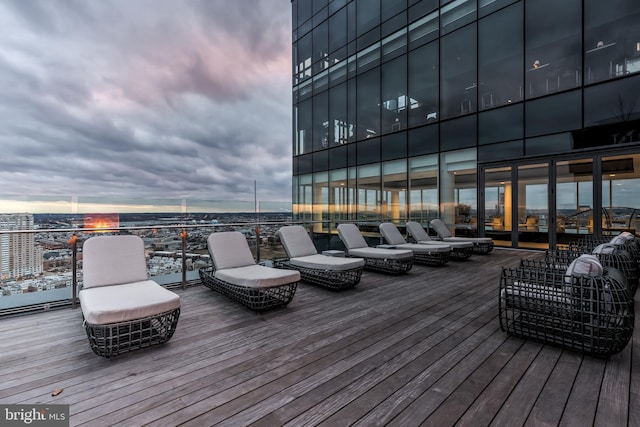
(533, 206)
(574, 199)
(369, 200)
(394, 190)
(621, 194)
(320, 200)
(498, 206)
(458, 188)
(423, 194)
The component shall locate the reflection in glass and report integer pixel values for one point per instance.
(394, 190)
(456, 14)
(395, 101)
(611, 36)
(498, 210)
(304, 125)
(423, 85)
(533, 206)
(500, 56)
(369, 192)
(458, 187)
(621, 194)
(554, 114)
(423, 30)
(368, 104)
(553, 46)
(320, 121)
(574, 199)
(458, 83)
(339, 202)
(423, 195)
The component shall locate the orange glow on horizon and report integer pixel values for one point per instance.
(102, 221)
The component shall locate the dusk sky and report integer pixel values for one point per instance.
(145, 99)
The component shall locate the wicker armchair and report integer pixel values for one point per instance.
(459, 250)
(121, 308)
(235, 274)
(584, 307)
(434, 255)
(392, 261)
(327, 271)
(481, 245)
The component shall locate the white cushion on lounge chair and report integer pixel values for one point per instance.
(296, 241)
(381, 253)
(257, 276)
(605, 249)
(619, 240)
(351, 236)
(422, 237)
(229, 250)
(324, 262)
(584, 265)
(446, 236)
(392, 236)
(111, 304)
(113, 260)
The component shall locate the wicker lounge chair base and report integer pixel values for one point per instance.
(258, 298)
(332, 279)
(117, 338)
(434, 259)
(591, 314)
(461, 254)
(389, 266)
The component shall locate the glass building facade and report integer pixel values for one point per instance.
(518, 120)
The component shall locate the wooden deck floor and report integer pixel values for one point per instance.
(421, 349)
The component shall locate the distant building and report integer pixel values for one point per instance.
(19, 256)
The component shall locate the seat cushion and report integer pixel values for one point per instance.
(257, 276)
(380, 253)
(120, 303)
(324, 262)
(429, 249)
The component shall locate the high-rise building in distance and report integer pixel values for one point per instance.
(19, 256)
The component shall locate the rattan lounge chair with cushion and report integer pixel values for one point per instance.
(122, 309)
(393, 261)
(585, 307)
(234, 273)
(434, 255)
(328, 271)
(459, 250)
(481, 245)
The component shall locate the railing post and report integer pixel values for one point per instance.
(74, 269)
(258, 243)
(183, 236)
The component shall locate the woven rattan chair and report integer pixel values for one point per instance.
(434, 255)
(328, 271)
(481, 245)
(392, 261)
(584, 307)
(122, 309)
(459, 250)
(234, 273)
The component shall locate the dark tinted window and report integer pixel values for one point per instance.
(423, 140)
(339, 127)
(368, 15)
(500, 56)
(394, 95)
(338, 157)
(548, 144)
(320, 121)
(423, 85)
(502, 124)
(612, 102)
(368, 103)
(554, 114)
(459, 133)
(394, 146)
(458, 87)
(321, 161)
(502, 151)
(369, 151)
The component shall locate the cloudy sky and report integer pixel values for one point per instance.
(125, 100)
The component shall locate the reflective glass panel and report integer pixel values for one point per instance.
(458, 82)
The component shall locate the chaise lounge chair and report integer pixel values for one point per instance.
(481, 245)
(393, 261)
(330, 272)
(235, 274)
(459, 250)
(122, 309)
(437, 254)
(585, 307)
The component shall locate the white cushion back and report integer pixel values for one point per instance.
(113, 260)
(605, 248)
(627, 235)
(417, 231)
(229, 249)
(296, 241)
(351, 236)
(618, 240)
(391, 234)
(586, 265)
(440, 228)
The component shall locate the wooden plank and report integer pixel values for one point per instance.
(613, 405)
(582, 402)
